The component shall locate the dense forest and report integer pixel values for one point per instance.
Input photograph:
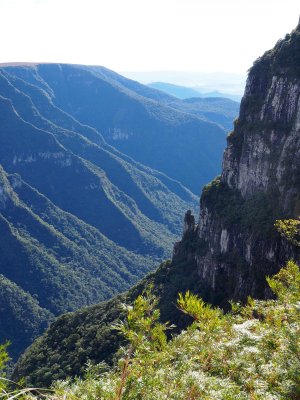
(251, 352)
(84, 224)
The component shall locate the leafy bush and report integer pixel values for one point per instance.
(250, 353)
(3, 361)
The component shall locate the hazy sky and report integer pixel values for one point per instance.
(143, 35)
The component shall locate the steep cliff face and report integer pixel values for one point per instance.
(235, 244)
(228, 254)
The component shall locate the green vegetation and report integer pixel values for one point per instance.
(137, 120)
(52, 262)
(255, 214)
(78, 337)
(3, 362)
(283, 58)
(79, 221)
(20, 312)
(290, 229)
(86, 335)
(250, 353)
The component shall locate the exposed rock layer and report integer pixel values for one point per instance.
(235, 244)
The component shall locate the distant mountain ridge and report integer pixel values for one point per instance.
(184, 92)
(234, 246)
(225, 82)
(80, 220)
(152, 127)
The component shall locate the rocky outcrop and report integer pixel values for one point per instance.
(236, 242)
(234, 245)
(189, 222)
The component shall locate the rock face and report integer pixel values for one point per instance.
(189, 222)
(228, 254)
(236, 243)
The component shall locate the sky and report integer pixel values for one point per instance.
(145, 35)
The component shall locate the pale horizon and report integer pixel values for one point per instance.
(143, 35)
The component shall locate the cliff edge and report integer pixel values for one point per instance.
(234, 245)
